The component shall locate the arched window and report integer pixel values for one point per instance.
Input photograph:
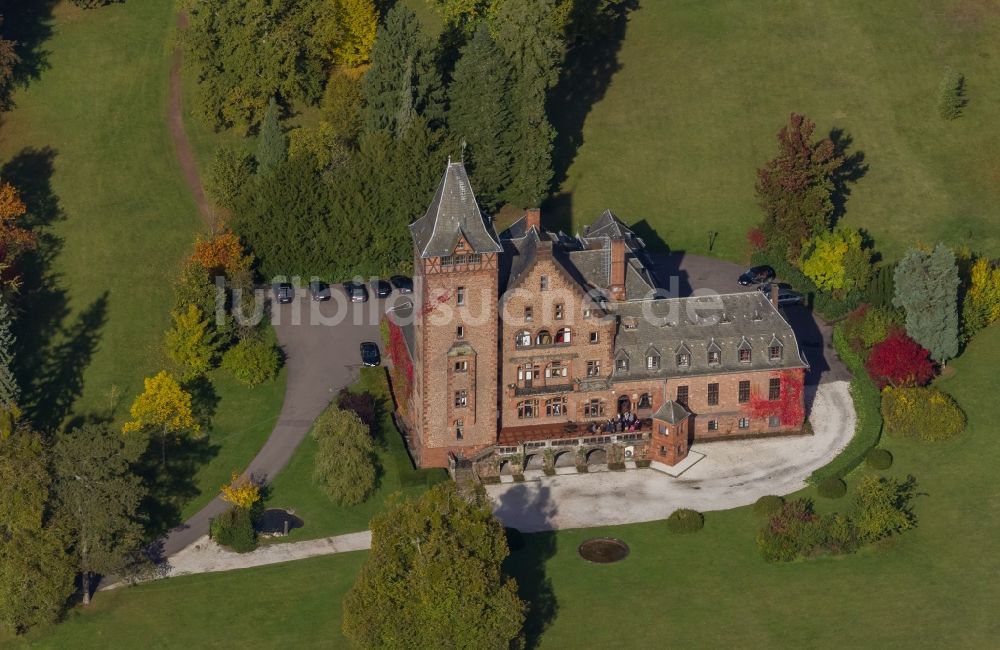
(645, 401)
(564, 335)
(527, 409)
(543, 338)
(523, 339)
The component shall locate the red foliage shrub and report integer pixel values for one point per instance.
(899, 361)
(757, 239)
(363, 405)
(788, 407)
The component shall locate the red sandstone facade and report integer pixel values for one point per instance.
(531, 340)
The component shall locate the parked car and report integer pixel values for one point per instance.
(356, 291)
(786, 296)
(284, 292)
(402, 283)
(756, 275)
(369, 354)
(382, 288)
(320, 291)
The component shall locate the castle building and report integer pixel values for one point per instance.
(532, 339)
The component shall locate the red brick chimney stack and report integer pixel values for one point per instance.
(617, 284)
(533, 219)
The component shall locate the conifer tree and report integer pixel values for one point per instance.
(272, 147)
(403, 82)
(480, 116)
(951, 95)
(927, 288)
(10, 393)
(529, 36)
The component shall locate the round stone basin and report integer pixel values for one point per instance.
(272, 521)
(603, 550)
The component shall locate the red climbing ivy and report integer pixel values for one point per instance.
(401, 373)
(788, 407)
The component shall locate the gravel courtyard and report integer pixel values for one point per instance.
(731, 474)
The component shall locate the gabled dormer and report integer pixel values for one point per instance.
(621, 362)
(682, 356)
(653, 358)
(775, 349)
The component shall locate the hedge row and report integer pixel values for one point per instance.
(867, 406)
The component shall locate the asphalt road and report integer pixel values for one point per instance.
(321, 344)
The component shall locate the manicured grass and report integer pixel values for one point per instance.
(293, 488)
(708, 589)
(93, 313)
(704, 87)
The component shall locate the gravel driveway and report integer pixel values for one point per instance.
(731, 474)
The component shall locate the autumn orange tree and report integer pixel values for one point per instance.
(222, 254)
(164, 409)
(14, 239)
(240, 491)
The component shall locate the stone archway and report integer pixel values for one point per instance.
(597, 457)
(534, 461)
(565, 459)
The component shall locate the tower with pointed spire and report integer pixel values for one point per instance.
(454, 405)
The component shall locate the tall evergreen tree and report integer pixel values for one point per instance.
(927, 288)
(795, 188)
(480, 116)
(10, 393)
(272, 146)
(531, 37)
(97, 500)
(403, 82)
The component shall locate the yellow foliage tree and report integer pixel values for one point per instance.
(240, 491)
(163, 408)
(837, 261)
(190, 342)
(345, 31)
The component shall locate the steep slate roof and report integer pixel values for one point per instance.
(671, 412)
(692, 325)
(452, 214)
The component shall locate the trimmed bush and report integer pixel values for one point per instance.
(768, 505)
(879, 459)
(643, 463)
(832, 488)
(796, 530)
(616, 467)
(234, 529)
(685, 520)
(252, 361)
(921, 412)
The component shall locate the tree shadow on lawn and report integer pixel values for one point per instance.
(172, 484)
(529, 553)
(29, 24)
(51, 354)
(853, 170)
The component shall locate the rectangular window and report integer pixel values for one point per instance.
(682, 395)
(528, 314)
(775, 352)
(459, 428)
(594, 408)
(594, 368)
(713, 425)
(555, 406)
(586, 313)
(559, 312)
(621, 365)
(774, 421)
(714, 357)
(595, 337)
(461, 398)
(713, 394)
(745, 355)
(744, 423)
(683, 360)
(460, 295)
(652, 362)
(543, 283)
(744, 392)
(461, 366)
(527, 409)
(459, 332)
(557, 369)
(774, 389)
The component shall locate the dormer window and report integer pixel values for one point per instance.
(683, 360)
(652, 361)
(774, 349)
(714, 354)
(621, 365)
(629, 324)
(744, 351)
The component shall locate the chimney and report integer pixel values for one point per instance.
(533, 219)
(774, 294)
(616, 284)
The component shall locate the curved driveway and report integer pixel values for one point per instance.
(321, 344)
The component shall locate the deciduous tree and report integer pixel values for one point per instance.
(434, 578)
(926, 287)
(97, 500)
(346, 29)
(163, 409)
(981, 303)
(252, 361)
(222, 253)
(191, 343)
(838, 261)
(883, 507)
(795, 188)
(480, 115)
(345, 457)
(899, 361)
(14, 238)
(8, 60)
(240, 491)
(228, 173)
(272, 146)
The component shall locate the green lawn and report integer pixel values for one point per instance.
(88, 142)
(293, 488)
(711, 589)
(704, 86)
